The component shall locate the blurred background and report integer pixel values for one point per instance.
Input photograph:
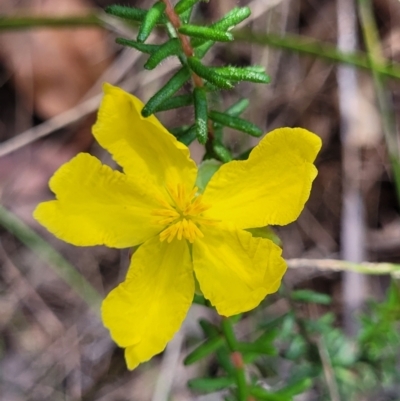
(52, 343)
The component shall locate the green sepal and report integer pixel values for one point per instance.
(206, 170)
(243, 74)
(184, 5)
(310, 296)
(265, 232)
(189, 136)
(142, 47)
(210, 384)
(131, 13)
(228, 21)
(171, 48)
(205, 32)
(222, 151)
(206, 348)
(167, 91)
(236, 123)
(199, 300)
(176, 102)
(208, 74)
(150, 20)
(201, 114)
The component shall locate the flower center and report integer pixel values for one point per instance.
(184, 216)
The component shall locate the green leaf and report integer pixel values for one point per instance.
(142, 47)
(232, 18)
(178, 131)
(295, 388)
(311, 297)
(205, 32)
(257, 348)
(184, 5)
(268, 336)
(189, 136)
(201, 114)
(264, 395)
(208, 74)
(201, 50)
(238, 108)
(131, 13)
(175, 103)
(243, 74)
(297, 348)
(235, 122)
(235, 110)
(222, 151)
(167, 91)
(205, 171)
(171, 48)
(209, 384)
(209, 329)
(222, 354)
(228, 21)
(209, 346)
(150, 20)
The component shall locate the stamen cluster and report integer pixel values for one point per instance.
(182, 215)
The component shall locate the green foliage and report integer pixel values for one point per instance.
(205, 32)
(208, 124)
(235, 122)
(168, 49)
(150, 21)
(311, 297)
(200, 110)
(314, 352)
(168, 90)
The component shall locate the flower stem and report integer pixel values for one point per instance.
(175, 21)
(186, 46)
(236, 358)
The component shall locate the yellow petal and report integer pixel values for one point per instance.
(271, 187)
(147, 309)
(142, 146)
(235, 270)
(96, 205)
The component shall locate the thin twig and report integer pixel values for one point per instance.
(47, 253)
(343, 265)
(327, 367)
(236, 358)
(186, 46)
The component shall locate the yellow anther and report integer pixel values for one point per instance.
(182, 216)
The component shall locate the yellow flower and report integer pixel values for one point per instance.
(183, 234)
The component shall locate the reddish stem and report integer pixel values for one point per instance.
(187, 48)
